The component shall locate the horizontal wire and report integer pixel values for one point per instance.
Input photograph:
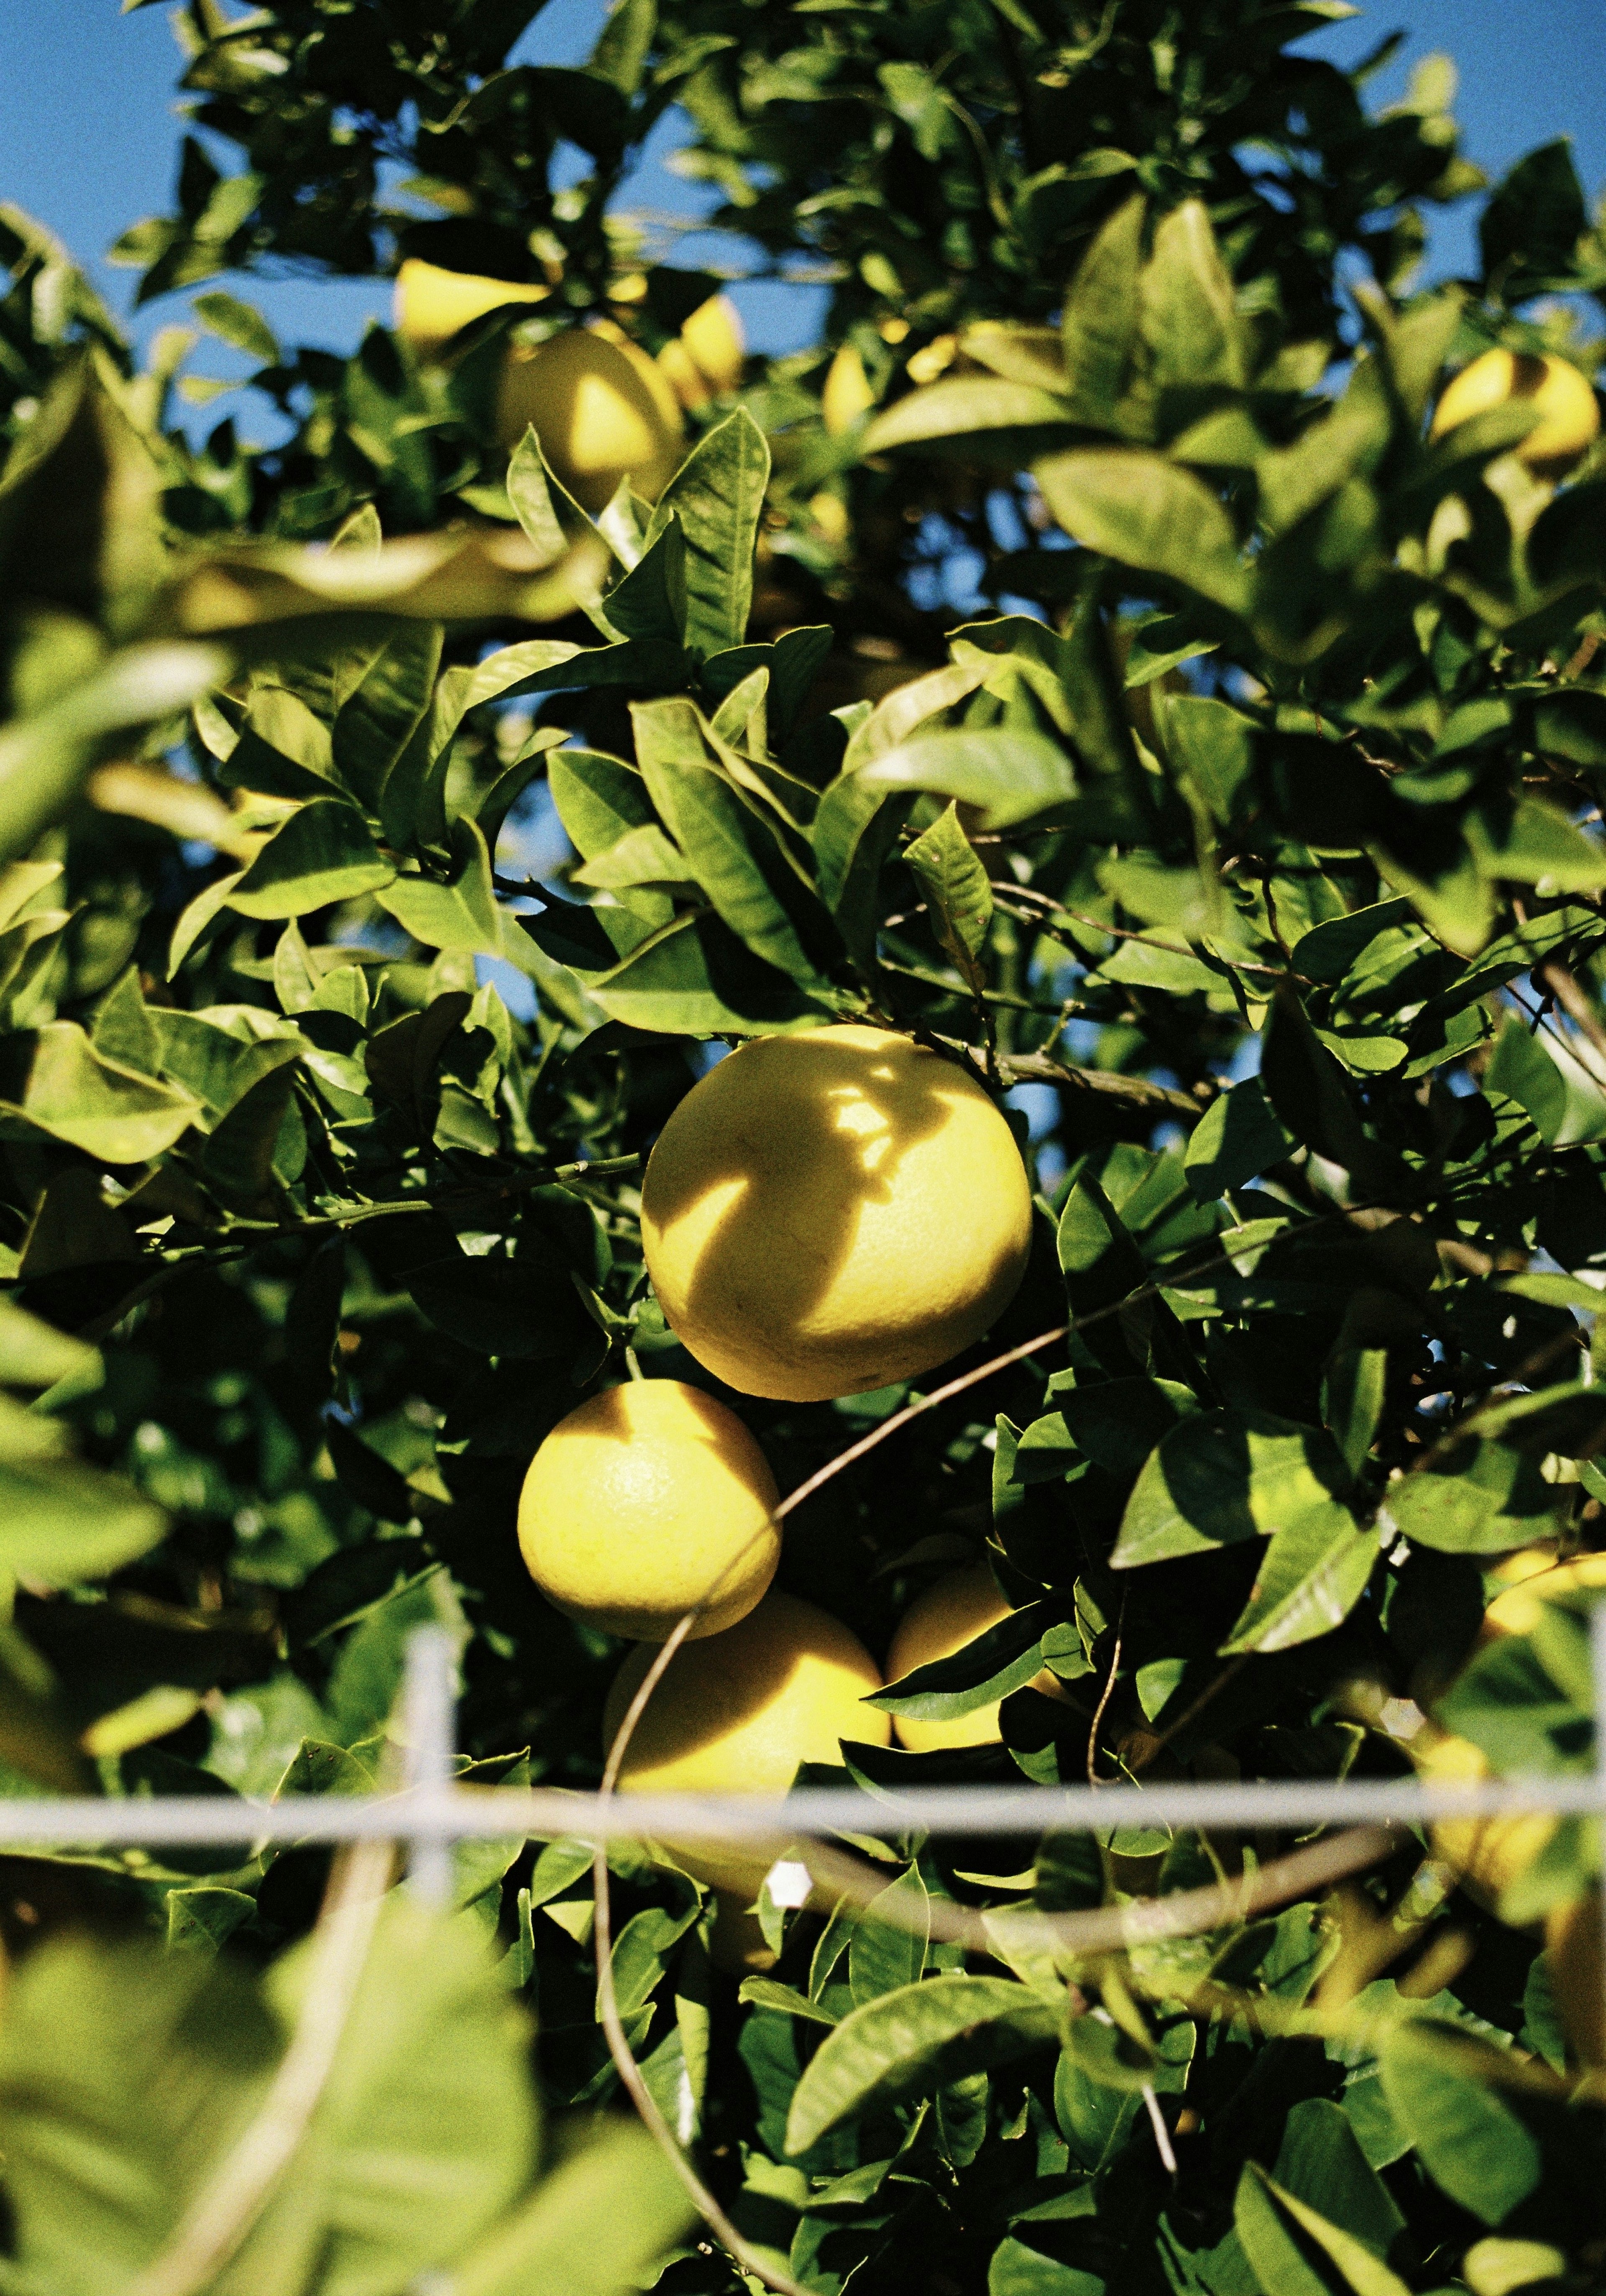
(494, 1813)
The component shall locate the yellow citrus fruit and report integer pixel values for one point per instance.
(709, 355)
(601, 409)
(738, 1713)
(846, 394)
(1518, 1609)
(646, 1501)
(1570, 414)
(1573, 1947)
(1487, 1853)
(831, 1211)
(952, 1612)
(431, 305)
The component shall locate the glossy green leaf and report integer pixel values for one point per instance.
(323, 854)
(1148, 514)
(1007, 777)
(717, 496)
(1313, 1574)
(912, 2042)
(1224, 1476)
(1442, 2085)
(955, 882)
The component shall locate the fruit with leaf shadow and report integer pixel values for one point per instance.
(644, 1503)
(832, 1211)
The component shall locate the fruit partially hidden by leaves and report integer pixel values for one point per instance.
(1518, 1609)
(737, 1715)
(709, 355)
(1487, 1854)
(602, 410)
(648, 1500)
(846, 394)
(433, 305)
(1573, 1946)
(1570, 414)
(952, 1610)
(832, 1211)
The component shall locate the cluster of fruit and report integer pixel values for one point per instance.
(799, 1215)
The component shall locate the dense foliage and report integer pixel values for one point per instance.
(1246, 812)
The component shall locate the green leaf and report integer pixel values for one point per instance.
(731, 851)
(686, 979)
(100, 2158)
(1239, 1136)
(239, 324)
(651, 602)
(1354, 1387)
(1224, 1476)
(71, 1091)
(596, 2224)
(1101, 314)
(61, 1522)
(424, 2135)
(1008, 777)
(718, 495)
(958, 896)
(1313, 1574)
(1148, 514)
(1019, 2270)
(323, 853)
(853, 831)
(1479, 1498)
(462, 916)
(35, 1354)
(1520, 1067)
(621, 52)
(1443, 2088)
(1190, 318)
(986, 1668)
(765, 1993)
(888, 1947)
(1297, 2251)
(962, 406)
(1320, 2163)
(911, 2043)
(378, 720)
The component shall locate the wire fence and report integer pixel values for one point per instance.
(429, 1813)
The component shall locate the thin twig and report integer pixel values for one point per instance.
(1106, 1695)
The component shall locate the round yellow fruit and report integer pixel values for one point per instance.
(1487, 1853)
(1573, 1947)
(831, 1211)
(738, 1713)
(601, 409)
(846, 394)
(951, 1612)
(1518, 1609)
(1570, 414)
(648, 1500)
(433, 305)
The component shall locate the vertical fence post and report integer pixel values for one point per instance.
(429, 1718)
